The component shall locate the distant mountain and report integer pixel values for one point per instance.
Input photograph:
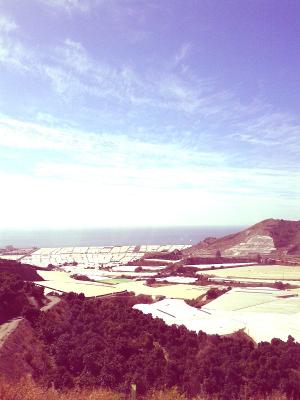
(271, 237)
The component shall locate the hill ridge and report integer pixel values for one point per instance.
(270, 237)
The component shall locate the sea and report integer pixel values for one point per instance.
(112, 236)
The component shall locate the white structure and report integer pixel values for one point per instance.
(262, 313)
(93, 257)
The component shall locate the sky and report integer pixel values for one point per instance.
(148, 113)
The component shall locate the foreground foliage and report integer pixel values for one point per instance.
(107, 344)
(17, 296)
(24, 271)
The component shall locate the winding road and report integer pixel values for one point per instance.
(8, 327)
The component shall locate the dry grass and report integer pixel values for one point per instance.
(26, 389)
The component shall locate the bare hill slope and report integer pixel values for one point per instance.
(275, 237)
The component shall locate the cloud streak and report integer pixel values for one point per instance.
(182, 53)
(68, 6)
(118, 160)
(7, 24)
(72, 72)
(75, 75)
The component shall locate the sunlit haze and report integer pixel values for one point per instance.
(148, 113)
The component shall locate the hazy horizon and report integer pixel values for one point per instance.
(137, 113)
(111, 236)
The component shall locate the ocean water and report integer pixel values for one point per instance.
(111, 236)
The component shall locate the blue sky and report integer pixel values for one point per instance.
(133, 113)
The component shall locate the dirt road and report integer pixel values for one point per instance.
(7, 328)
(53, 300)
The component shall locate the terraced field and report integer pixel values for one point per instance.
(62, 282)
(261, 272)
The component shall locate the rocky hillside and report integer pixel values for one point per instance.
(274, 237)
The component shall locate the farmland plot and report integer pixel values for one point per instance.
(260, 272)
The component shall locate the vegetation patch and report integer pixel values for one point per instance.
(24, 271)
(17, 297)
(107, 344)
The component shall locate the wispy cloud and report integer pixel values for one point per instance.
(72, 71)
(7, 24)
(12, 51)
(270, 129)
(99, 147)
(118, 160)
(68, 5)
(182, 53)
(13, 54)
(73, 74)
